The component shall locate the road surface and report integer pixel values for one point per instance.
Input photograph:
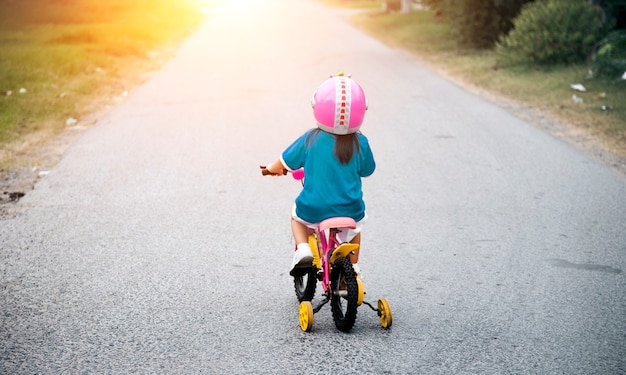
(155, 246)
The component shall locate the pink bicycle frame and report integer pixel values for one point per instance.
(326, 234)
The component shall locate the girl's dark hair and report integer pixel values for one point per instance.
(345, 145)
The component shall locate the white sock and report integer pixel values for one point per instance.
(304, 246)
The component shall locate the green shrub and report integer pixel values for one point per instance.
(609, 59)
(552, 32)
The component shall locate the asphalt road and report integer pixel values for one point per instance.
(155, 246)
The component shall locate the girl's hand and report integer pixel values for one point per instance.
(266, 172)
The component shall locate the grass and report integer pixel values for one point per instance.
(547, 90)
(62, 59)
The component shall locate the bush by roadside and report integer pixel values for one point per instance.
(609, 58)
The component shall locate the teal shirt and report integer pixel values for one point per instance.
(330, 189)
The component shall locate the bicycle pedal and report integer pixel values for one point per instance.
(300, 270)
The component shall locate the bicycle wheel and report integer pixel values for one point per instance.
(305, 285)
(345, 293)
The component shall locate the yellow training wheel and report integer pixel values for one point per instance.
(306, 316)
(384, 312)
(361, 294)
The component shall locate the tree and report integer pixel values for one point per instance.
(614, 11)
(478, 23)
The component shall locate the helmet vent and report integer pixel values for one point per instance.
(342, 102)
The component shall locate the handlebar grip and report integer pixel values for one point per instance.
(298, 174)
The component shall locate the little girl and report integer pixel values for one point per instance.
(335, 156)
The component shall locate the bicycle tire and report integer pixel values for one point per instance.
(344, 298)
(304, 286)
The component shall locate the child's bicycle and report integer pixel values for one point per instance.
(342, 286)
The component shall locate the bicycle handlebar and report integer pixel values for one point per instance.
(298, 174)
(266, 172)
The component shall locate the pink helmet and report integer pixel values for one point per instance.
(339, 105)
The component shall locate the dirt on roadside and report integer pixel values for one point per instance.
(593, 145)
(31, 163)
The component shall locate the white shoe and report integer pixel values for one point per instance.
(302, 261)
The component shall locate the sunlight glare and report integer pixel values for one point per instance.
(237, 5)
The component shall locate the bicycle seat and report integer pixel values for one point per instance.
(338, 222)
